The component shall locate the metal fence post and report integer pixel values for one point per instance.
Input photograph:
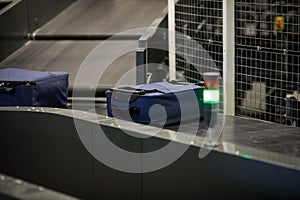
(172, 39)
(228, 57)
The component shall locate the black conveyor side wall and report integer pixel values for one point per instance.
(45, 149)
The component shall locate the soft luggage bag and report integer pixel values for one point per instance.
(134, 103)
(19, 87)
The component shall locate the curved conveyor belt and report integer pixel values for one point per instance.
(58, 45)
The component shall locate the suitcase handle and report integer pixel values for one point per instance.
(7, 89)
(200, 83)
(129, 95)
(130, 91)
(122, 111)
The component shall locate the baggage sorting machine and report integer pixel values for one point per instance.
(43, 145)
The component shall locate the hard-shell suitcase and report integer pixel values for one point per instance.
(144, 103)
(19, 87)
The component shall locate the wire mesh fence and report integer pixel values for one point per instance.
(267, 60)
(200, 22)
(267, 79)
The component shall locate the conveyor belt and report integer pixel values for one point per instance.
(104, 17)
(64, 42)
(68, 56)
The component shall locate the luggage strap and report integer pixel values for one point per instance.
(7, 89)
(9, 86)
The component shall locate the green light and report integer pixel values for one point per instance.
(247, 156)
(211, 96)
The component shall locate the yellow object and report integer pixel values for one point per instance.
(279, 23)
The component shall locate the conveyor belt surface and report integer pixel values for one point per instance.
(87, 19)
(104, 16)
(68, 56)
(256, 135)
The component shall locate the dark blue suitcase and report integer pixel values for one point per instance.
(19, 87)
(134, 103)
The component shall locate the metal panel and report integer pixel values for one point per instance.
(218, 176)
(53, 157)
(110, 183)
(244, 165)
(56, 158)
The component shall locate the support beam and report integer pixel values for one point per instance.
(172, 39)
(228, 55)
(141, 66)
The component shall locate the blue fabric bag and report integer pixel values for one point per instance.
(19, 87)
(135, 103)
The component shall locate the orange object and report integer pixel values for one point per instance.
(279, 23)
(211, 84)
(211, 80)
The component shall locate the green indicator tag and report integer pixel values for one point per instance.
(211, 96)
(247, 156)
